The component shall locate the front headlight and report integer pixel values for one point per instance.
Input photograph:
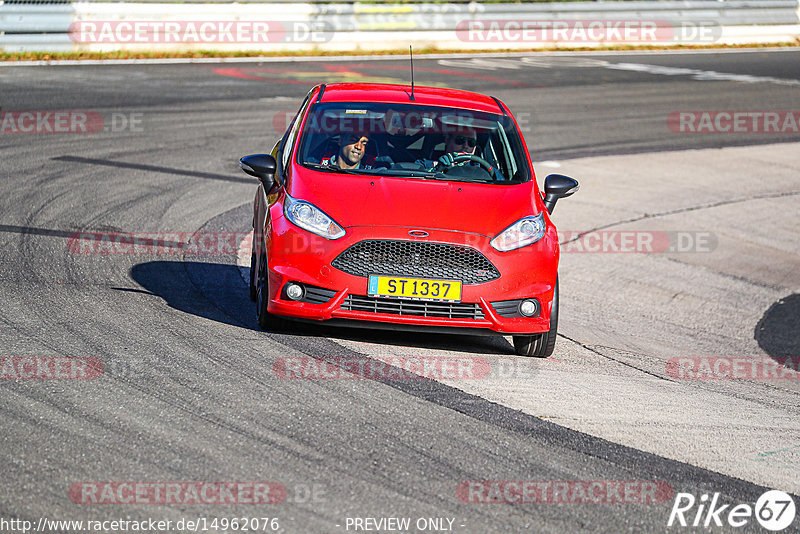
(309, 217)
(524, 232)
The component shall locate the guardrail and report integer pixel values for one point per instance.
(281, 26)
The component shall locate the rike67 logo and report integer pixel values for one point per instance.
(774, 511)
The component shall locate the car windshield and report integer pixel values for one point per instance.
(426, 142)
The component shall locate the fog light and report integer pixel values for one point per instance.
(529, 307)
(294, 291)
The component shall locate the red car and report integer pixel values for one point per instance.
(396, 207)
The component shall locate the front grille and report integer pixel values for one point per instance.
(417, 259)
(449, 310)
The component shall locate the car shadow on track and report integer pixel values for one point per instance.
(210, 290)
(777, 330)
(153, 169)
(216, 291)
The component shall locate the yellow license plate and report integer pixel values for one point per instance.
(414, 288)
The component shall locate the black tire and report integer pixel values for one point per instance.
(253, 288)
(540, 345)
(266, 320)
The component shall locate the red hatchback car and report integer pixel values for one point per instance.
(391, 207)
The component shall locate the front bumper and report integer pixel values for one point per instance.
(295, 255)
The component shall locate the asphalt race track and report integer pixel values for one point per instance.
(186, 388)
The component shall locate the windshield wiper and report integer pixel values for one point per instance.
(427, 175)
(445, 178)
(406, 173)
(331, 168)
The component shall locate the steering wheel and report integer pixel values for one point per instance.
(461, 158)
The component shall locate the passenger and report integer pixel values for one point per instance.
(352, 148)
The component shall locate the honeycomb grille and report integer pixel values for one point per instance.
(450, 310)
(412, 258)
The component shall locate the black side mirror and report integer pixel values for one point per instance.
(558, 186)
(262, 166)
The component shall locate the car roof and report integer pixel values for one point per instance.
(392, 93)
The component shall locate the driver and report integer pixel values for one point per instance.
(352, 148)
(460, 143)
(457, 143)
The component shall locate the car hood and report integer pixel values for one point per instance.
(352, 200)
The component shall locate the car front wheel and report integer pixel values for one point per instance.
(540, 345)
(266, 320)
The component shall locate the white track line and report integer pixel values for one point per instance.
(398, 57)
